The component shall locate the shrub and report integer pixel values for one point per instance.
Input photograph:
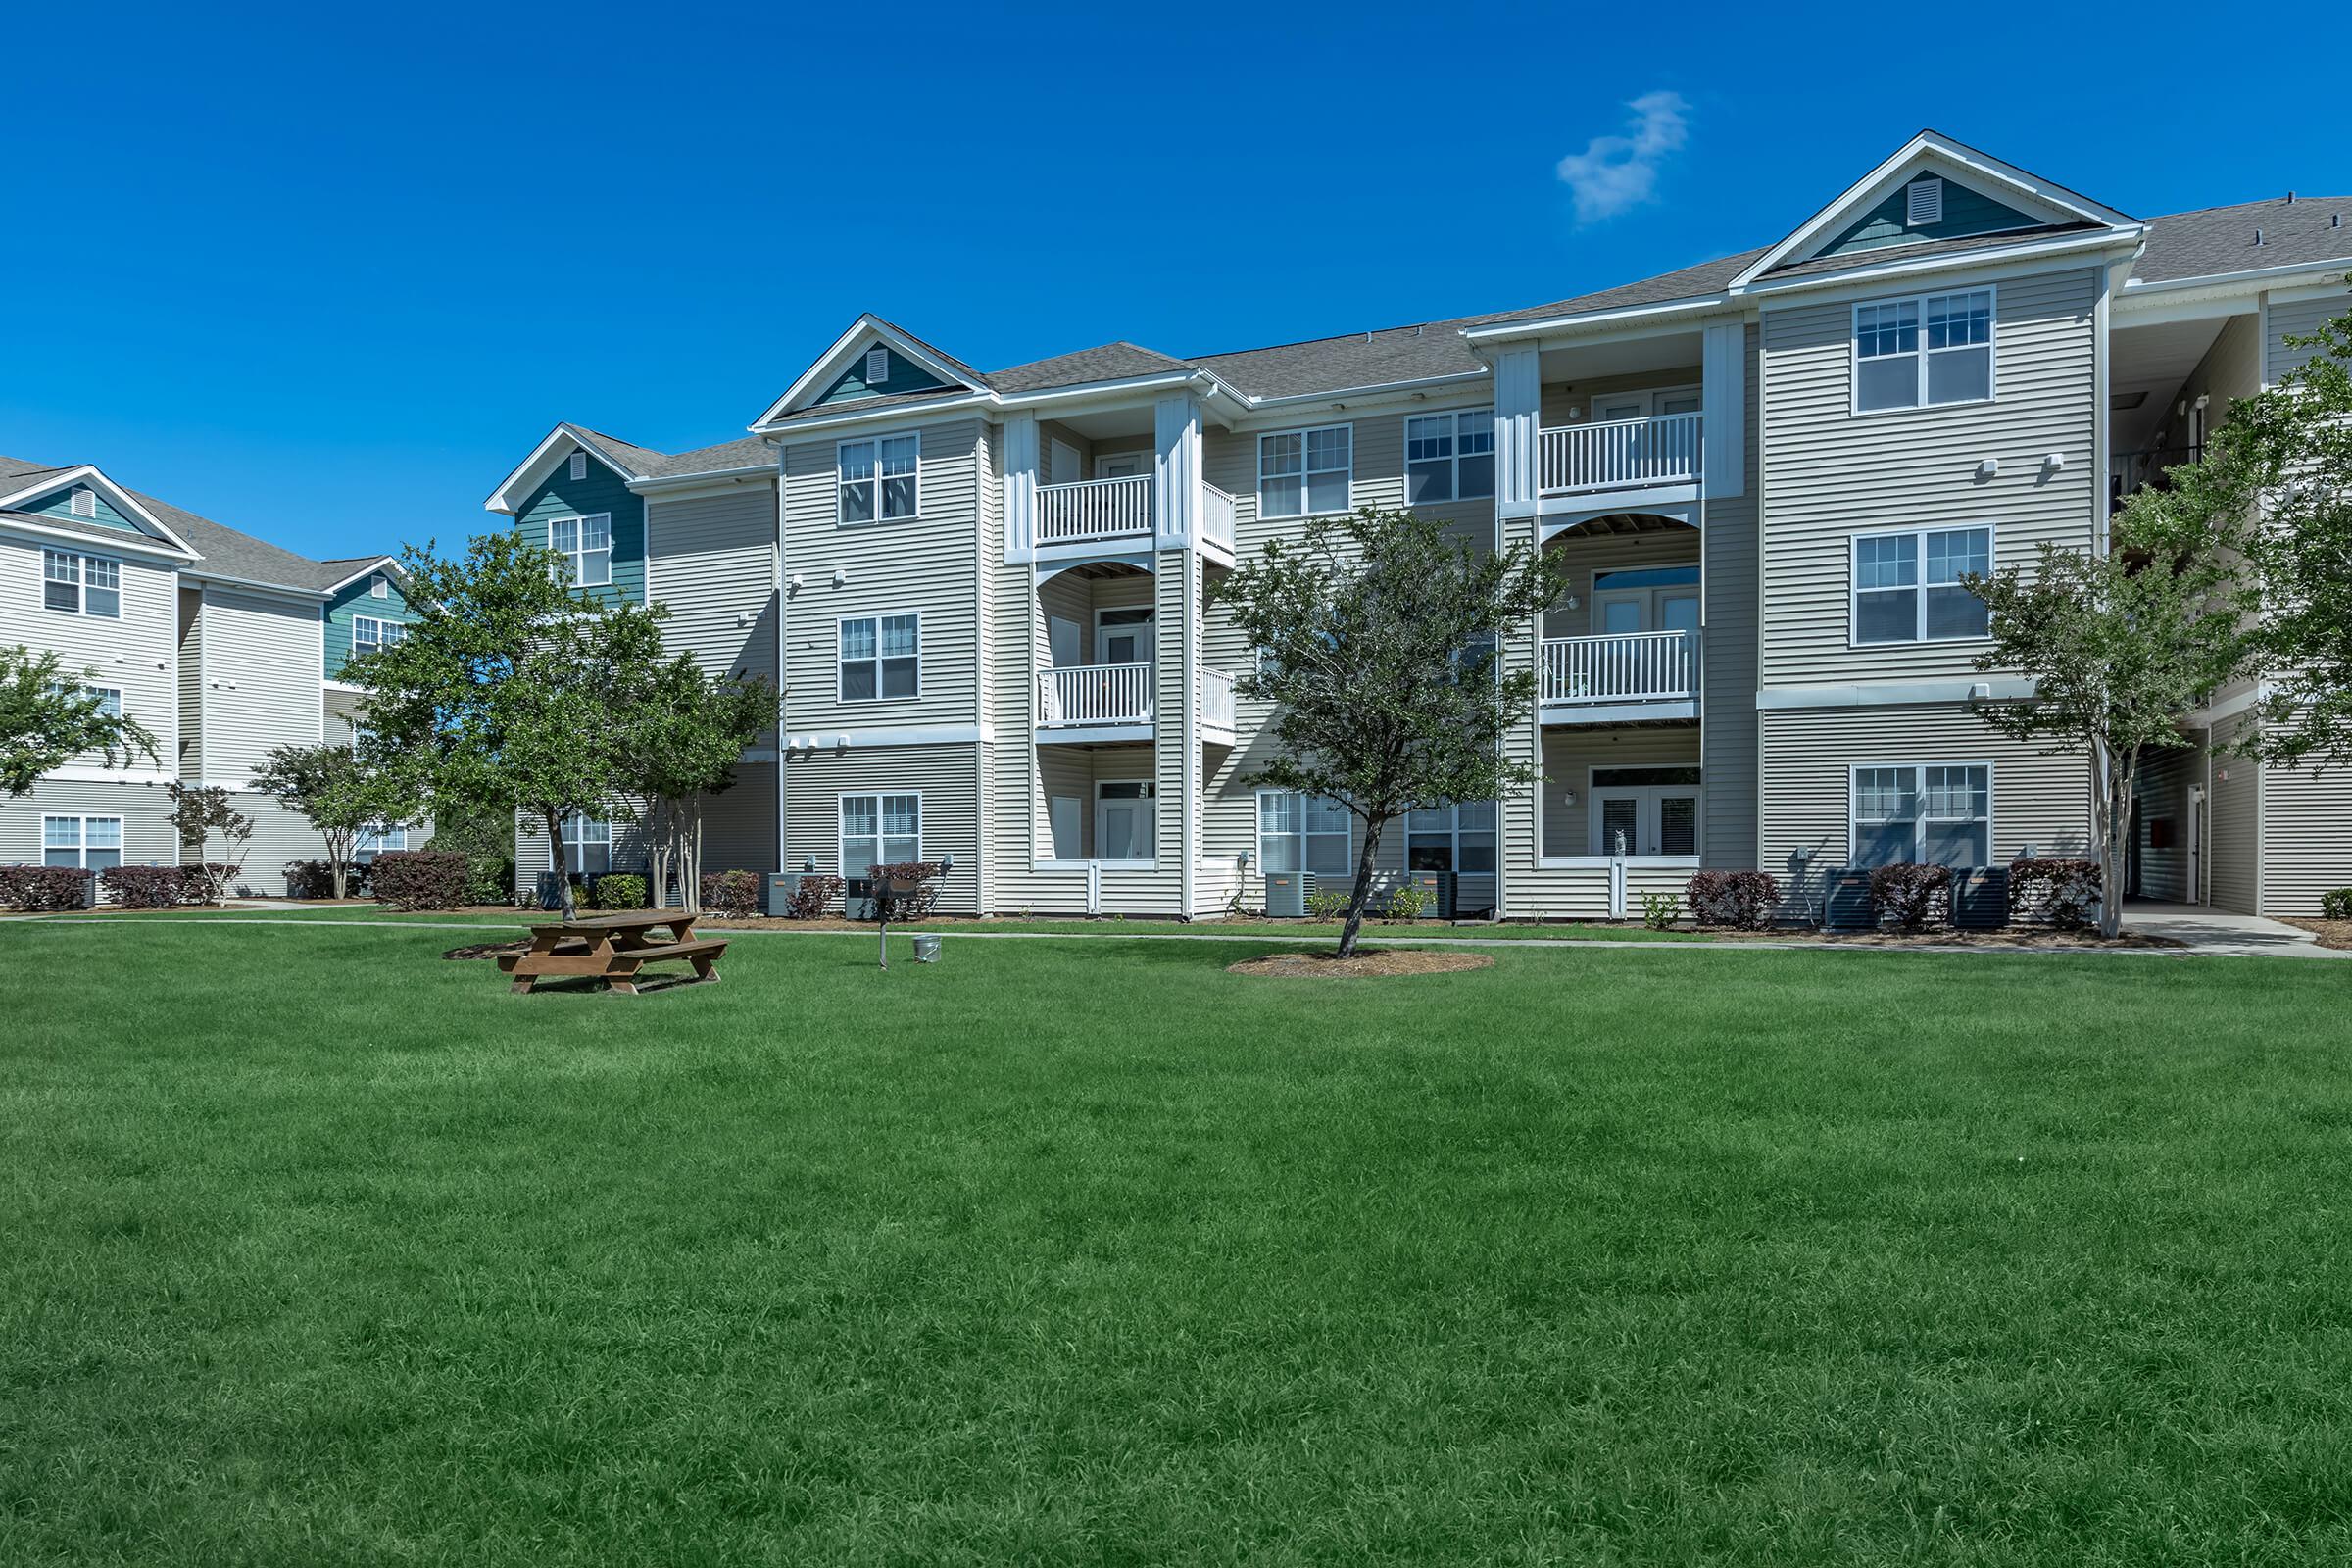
(1327, 904)
(209, 883)
(1742, 901)
(916, 906)
(489, 878)
(620, 890)
(813, 894)
(1912, 898)
(421, 879)
(1660, 910)
(2062, 893)
(2336, 904)
(1409, 901)
(315, 879)
(44, 887)
(735, 893)
(151, 887)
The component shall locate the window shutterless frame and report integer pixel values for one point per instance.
(1921, 328)
(1929, 562)
(82, 843)
(878, 478)
(585, 542)
(883, 625)
(1921, 816)
(1449, 456)
(878, 827)
(1308, 824)
(586, 838)
(74, 584)
(1292, 463)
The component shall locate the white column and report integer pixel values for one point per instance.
(1518, 400)
(1722, 395)
(1020, 485)
(1176, 470)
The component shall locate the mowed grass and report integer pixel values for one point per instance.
(321, 1249)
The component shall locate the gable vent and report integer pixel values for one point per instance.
(877, 367)
(579, 466)
(86, 501)
(1923, 203)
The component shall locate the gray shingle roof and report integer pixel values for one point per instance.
(1683, 284)
(745, 451)
(2221, 239)
(1884, 254)
(625, 456)
(1378, 357)
(1106, 362)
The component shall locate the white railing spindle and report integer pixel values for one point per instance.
(1620, 454)
(1216, 701)
(1645, 666)
(1094, 508)
(1216, 516)
(1094, 694)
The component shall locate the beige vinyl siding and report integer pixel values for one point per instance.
(1229, 460)
(135, 654)
(2306, 838)
(263, 655)
(2233, 845)
(190, 684)
(1566, 403)
(147, 839)
(1809, 754)
(1727, 655)
(924, 565)
(2296, 318)
(713, 566)
(2165, 776)
(739, 824)
(1829, 473)
(942, 774)
(280, 838)
(1570, 753)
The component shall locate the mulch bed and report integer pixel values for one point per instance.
(1376, 965)
(2331, 933)
(2014, 936)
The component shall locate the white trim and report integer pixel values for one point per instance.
(82, 821)
(841, 351)
(672, 487)
(1305, 487)
(1920, 821)
(543, 459)
(1651, 794)
(1992, 260)
(575, 465)
(877, 617)
(1919, 586)
(386, 565)
(577, 557)
(1892, 693)
(1922, 353)
(880, 480)
(1257, 831)
(1454, 461)
(151, 552)
(2327, 278)
(838, 738)
(87, 474)
(82, 560)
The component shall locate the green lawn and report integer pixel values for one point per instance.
(320, 1250)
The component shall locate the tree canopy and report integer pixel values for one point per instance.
(48, 717)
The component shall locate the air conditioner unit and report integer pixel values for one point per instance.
(1980, 897)
(1285, 894)
(1441, 887)
(1845, 903)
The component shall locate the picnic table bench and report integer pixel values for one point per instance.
(612, 948)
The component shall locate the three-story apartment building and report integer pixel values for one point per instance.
(222, 645)
(986, 596)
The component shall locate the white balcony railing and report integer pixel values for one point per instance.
(1216, 701)
(1094, 694)
(1094, 508)
(1216, 516)
(1620, 454)
(1643, 666)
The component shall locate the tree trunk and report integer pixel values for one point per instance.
(695, 815)
(2114, 781)
(1361, 894)
(555, 845)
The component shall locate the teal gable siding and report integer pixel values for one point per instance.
(904, 376)
(603, 490)
(354, 600)
(60, 504)
(1965, 211)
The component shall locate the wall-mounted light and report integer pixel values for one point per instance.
(841, 576)
(2053, 460)
(1567, 796)
(1989, 469)
(793, 583)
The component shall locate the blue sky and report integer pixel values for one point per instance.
(327, 275)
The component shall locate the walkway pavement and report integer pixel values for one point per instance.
(2216, 931)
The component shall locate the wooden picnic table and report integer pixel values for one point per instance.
(612, 948)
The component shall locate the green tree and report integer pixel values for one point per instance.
(199, 813)
(679, 745)
(47, 719)
(1378, 634)
(339, 791)
(511, 691)
(2119, 644)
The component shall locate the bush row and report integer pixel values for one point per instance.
(2062, 893)
(42, 888)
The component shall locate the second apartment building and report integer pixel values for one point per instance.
(986, 595)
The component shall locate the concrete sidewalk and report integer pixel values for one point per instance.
(2216, 931)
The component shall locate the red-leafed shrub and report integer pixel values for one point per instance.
(924, 874)
(152, 887)
(814, 895)
(43, 887)
(1743, 901)
(731, 892)
(315, 879)
(421, 879)
(1912, 898)
(2062, 893)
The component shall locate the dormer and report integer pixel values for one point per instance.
(874, 360)
(81, 501)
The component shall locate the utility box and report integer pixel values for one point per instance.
(781, 886)
(1845, 902)
(1286, 895)
(1980, 897)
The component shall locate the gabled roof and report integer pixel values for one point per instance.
(634, 464)
(30, 481)
(865, 331)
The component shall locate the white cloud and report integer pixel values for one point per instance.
(1615, 173)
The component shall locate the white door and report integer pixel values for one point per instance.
(1123, 809)
(1122, 465)
(1650, 819)
(1062, 640)
(1061, 811)
(1124, 637)
(1063, 468)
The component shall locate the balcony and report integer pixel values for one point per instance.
(1661, 452)
(1095, 510)
(1216, 707)
(1621, 678)
(1078, 703)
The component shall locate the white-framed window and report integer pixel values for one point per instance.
(369, 633)
(84, 502)
(1927, 813)
(82, 585)
(881, 657)
(587, 844)
(1907, 586)
(577, 468)
(1451, 838)
(375, 841)
(879, 830)
(586, 546)
(880, 478)
(1915, 353)
(379, 587)
(109, 700)
(1304, 833)
(87, 843)
(1450, 457)
(1305, 473)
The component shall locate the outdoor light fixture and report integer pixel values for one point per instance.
(1567, 796)
(1243, 859)
(841, 576)
(808, 865)
(2054, 461)
(1990, 468)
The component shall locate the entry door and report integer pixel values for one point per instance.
(1062, 637)
(1655, 819)
(1123, 811)
(1122, 465)
(1061, 811)
(1124, 637)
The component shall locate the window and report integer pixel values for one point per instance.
(881, 655)
(878, 478)
(1304, 833)
(373, 841)
(378, 587)
(877, 367)
(368, 634)
(577, 468)
(1450, 457)
(586, 546)
(1932, 814)
(1923, 203)
(82, 585)
(1895, 367)
(1907, 586)
(109, 700)
(84, 502)
(587, 844)
(879, 830)
(1451, 838)
(1303, 473)
(85, 842)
